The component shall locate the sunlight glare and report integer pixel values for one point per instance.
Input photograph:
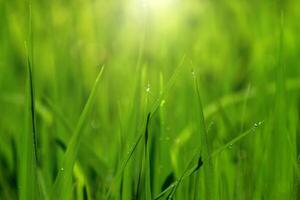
(156, 5)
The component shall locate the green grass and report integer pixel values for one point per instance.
(198, 100)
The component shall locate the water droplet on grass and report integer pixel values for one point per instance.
(95, 124)
(148, 88)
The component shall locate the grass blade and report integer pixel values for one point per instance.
(28, 161)
(191, 170)
(153, 109)
(62, 186)
(168, 86)
(205, 148)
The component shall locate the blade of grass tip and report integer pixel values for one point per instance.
(147, 132)
(203, 130)
(30, 73)
(32, 109)
(62, 186)
(205, 149)
(147, 174)
(28, 160)
(143, 173)
(168, 86)
(188, 172)
(144, 177)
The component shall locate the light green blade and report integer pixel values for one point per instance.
(63, 184)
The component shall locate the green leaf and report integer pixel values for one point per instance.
(191, 169)
(28, 148)
(63, 184)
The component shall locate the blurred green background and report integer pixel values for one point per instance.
(244, 53)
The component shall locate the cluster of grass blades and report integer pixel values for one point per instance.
(33, 183)
(179, 138)
(193, 167)
(63, 183)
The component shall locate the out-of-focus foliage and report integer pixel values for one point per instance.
(245, 54)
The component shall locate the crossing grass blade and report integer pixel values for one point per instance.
(168, 86)
(205, 147)
(147, 171)
(62, 188)
(193, 168)
(28, 144)
(28, 162)
(153, 110)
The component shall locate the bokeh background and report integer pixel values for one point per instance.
(242, 51)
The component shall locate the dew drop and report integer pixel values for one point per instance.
(148, 88)
(95, 124)
(230, 146)
(193, 72)
(62, 169)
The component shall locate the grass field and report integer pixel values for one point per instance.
(149, 99)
